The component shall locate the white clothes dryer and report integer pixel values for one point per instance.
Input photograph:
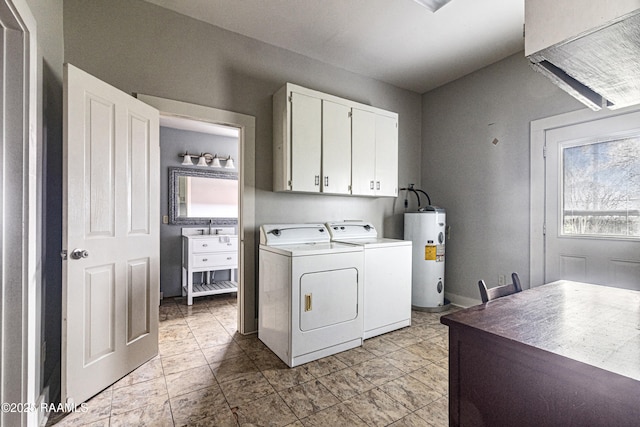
(309, 293)
(387, 276)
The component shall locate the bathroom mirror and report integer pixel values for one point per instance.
(203, 196)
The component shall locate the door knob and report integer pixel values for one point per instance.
(79, 253)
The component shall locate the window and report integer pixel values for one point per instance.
(601, 189)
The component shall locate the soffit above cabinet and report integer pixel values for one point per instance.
(549, 22)
(600, 63)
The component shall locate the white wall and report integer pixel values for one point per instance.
(485, 186)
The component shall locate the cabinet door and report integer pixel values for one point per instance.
(336, 148)
(386, 156)
(306, 142)
(363, 146)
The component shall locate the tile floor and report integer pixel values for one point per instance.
(206, 374)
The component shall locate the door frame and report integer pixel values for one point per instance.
(247, 295)
(20, 314)
(538, 135)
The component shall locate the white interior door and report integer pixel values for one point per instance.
(111, 232)
(592, 191)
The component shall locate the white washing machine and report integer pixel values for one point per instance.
(309, 293)
(387, 276)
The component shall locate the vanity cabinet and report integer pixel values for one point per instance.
(326, 144)
(207, 254)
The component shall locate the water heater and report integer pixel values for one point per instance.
(426, 229)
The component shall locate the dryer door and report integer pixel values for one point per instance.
(328, 298)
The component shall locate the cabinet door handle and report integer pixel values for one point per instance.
(377, 185)
(326, 181)
(307, 302)
(371, 185)
(204, 245)
(204, 260)
(229, 258)
(317, 180)
(229, 244)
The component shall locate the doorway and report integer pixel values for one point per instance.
(245, 125)
(199, 196)
(588, 200)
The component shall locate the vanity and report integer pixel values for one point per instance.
(207, 254)
(205, 201)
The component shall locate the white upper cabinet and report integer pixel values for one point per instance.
(336, 148)
(306, 153)
(327, 144)
(375, 153)
(363, 147)
(386, 156)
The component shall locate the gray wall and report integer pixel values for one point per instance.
(485, 187)
(173, 142)
(140, 47)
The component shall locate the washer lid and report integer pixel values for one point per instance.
(375, 242)
(307, 249)
(351, 230)
(292, 234)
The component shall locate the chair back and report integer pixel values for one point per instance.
(488, 294)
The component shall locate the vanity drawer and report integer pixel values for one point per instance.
(215, 244)
(229, 259)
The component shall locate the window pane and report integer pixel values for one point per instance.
(601, 189)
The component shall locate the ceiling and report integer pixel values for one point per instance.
(395, 41)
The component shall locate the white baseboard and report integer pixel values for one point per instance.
(462, 301)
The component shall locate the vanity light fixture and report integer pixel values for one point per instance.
(202, 161)
(187, 159)
(215, 163)
(432, 5)
(205, 158)
(230, 164)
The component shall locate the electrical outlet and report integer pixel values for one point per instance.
(165, 219)
(502, 280)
